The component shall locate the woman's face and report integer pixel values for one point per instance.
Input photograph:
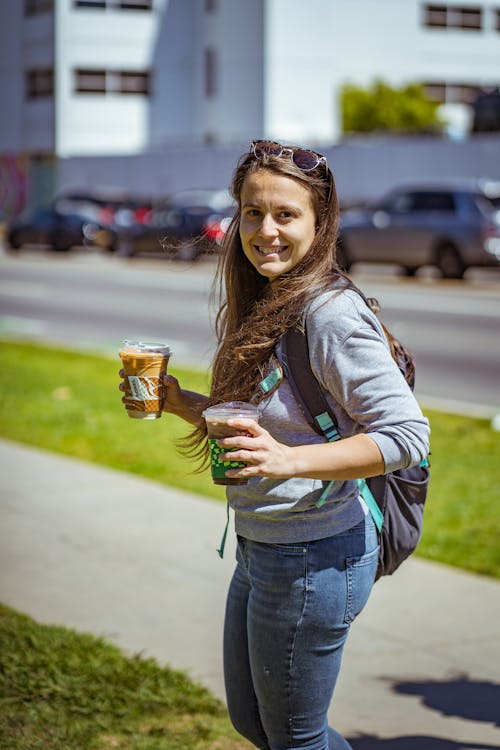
(278, 222)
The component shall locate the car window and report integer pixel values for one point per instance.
(168, 217)
(485, 204)
(399, 203)
(431, 200)
(493, 201)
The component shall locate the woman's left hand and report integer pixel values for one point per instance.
(264, 456)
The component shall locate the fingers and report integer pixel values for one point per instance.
(247, 426)
(170, 380)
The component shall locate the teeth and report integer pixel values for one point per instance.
(270, 250)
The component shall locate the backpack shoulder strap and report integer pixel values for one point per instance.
(309, 394)
(307, 390)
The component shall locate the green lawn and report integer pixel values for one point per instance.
(61, 690)
(69, 402)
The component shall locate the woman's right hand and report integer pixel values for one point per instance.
(175, 401)
(187, 405)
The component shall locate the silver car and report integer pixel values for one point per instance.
(450, 224)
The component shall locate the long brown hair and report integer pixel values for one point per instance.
(252, 315)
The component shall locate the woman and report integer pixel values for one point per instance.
(303, 572)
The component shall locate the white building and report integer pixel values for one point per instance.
(122, 77)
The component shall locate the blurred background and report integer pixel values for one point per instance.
(129, 101)
(122, 121)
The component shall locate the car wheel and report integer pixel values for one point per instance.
(410, 270)
(450, 263)
(59, 244)
(343, 256)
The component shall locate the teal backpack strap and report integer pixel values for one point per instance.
(373, 507)
(329, 430)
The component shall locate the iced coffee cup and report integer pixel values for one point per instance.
(217, 428)
(144, 365)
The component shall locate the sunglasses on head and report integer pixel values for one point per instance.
(302, 158)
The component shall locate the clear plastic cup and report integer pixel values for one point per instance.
(216, 418)
(144, 363)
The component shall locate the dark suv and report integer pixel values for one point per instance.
(450, 224)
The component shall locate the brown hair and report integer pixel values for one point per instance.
(253, 315)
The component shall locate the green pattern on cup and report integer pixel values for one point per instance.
(218, 467)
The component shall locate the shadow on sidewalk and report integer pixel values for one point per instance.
(416, 742)
(473, 700)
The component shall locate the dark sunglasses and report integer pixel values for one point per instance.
(302, 158)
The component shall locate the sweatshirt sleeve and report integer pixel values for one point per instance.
(351, 358)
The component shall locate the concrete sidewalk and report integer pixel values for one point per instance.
(108, 553)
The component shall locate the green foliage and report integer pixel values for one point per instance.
(69, 402)
(384, 108)
(60, 689)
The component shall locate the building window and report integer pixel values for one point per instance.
(497, 20)
(210, 6)
(436, 91)
(93, 81)
(210, 72)
(115, 4)
(452, 93)
(134, 4)
(133, 82)
(467, 18)
(462, 93)
(435, 16)
(31, 7)
(90, 3)
(39, 83)
(90, 81)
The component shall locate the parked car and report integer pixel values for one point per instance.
(450, 224)
(60, 231)
(185, 226)
(110, 209)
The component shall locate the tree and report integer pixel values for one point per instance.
(384, 108)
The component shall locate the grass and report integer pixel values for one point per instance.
(60, 689)
(69, 402)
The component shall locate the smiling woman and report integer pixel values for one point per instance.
(307, 545)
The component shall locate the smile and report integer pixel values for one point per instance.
(265, 251)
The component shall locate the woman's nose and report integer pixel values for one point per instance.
(268, 226)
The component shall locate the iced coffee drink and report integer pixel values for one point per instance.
(144, 365)
(216, 418)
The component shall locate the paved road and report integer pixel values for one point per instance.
(95, 300)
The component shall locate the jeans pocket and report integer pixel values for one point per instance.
(360, 572)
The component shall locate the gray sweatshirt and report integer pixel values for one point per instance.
(350, 357)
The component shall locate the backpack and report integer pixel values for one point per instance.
(395, 500)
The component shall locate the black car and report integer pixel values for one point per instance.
(182, 226)
(59, 231)
(452, 224)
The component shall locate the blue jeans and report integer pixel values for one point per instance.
(288, 613)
